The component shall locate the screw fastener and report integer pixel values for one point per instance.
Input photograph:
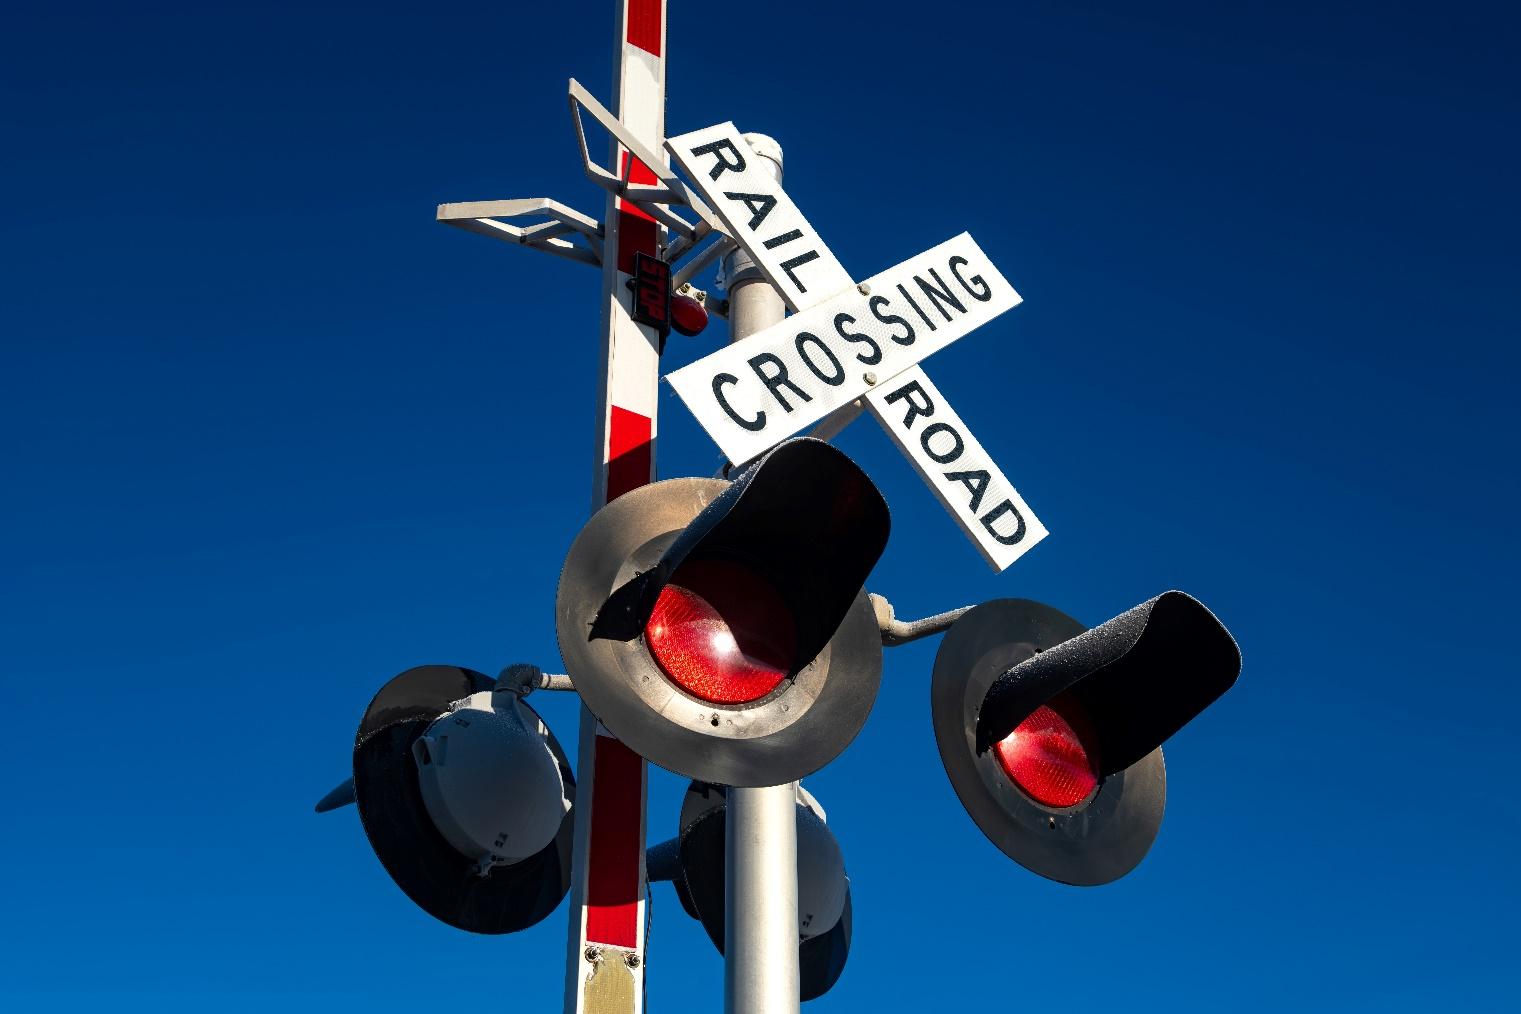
(871, 379)
(864, 289)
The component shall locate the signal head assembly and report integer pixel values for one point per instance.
(720, 629)
(465, 796)
(1051, 733)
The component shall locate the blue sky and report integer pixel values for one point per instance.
(272, 435)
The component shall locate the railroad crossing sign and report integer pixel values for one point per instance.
(724, 629)
(849, 342)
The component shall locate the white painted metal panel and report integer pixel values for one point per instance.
(767, 387)
(953, 464)
(604, 968)
(750, 202)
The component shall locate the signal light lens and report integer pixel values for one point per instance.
(721, 633)
(1046, 758)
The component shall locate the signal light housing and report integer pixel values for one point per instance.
(824, 911)
(1084, 805)
(769, 569)
(465, 796)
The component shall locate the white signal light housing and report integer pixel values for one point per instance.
(821, 879)
(489, 781)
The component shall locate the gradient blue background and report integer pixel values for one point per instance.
(272, 435)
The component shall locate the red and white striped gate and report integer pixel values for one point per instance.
(605, 961)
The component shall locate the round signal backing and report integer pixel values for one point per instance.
(704, 824)
(440, 880)
(1099, 839)
(788, 733)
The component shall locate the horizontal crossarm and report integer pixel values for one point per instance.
(557, 234)
(652, 199)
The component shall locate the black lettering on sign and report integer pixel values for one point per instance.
(736, 163)
(778, 380)
(840, 320)
(906, 394)
(876, 304)
(982, 292)
(799, 261)
(936, 295)
(760, 206)
(1007, 507)
(976, 482)
(786, 237)
(915, 305)
(836, 376)
(729, 379)
(950, 455)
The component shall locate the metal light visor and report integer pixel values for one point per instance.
(1140, 677)
(803, 516)
(422, 692)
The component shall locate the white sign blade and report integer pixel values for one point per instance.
(956, 468)
(765, 388)
(759, 215)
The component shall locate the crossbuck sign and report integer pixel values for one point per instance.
(847, 341)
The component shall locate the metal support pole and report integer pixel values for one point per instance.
(760, 901)
(760, 892)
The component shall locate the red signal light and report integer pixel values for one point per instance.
(1046, 758)
(721, 633)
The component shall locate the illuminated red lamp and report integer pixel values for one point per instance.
(688, 316)
(721, 633)
(1046, 758)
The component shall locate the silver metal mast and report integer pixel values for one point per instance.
(760, 901)
(760, 892)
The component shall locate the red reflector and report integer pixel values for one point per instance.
(688, 316)
(721, 633)
(1045, 758)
